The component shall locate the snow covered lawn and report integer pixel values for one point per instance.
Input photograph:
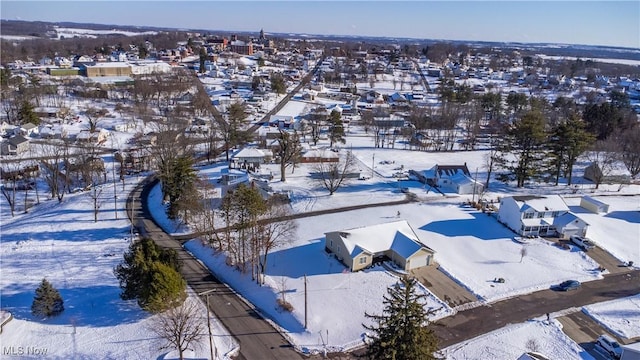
(618, 231)
(620, 316)
(511, 341)
(337, 300)
(60, 241)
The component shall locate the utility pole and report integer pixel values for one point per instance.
(373, 163)
(206, 294)
(305, 301)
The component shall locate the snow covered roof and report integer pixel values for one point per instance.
(565, 219)
(541, 203)
(249, 153)
(317, 153)
(397, 236)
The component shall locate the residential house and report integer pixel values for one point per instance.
(98, 136)
(454, 177)
(532, 215)
(29, 129)
(359, 248)
(15, 145)
(615, 172)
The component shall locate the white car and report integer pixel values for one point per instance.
(609, 345)
(582, 242)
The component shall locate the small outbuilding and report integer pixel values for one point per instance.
(593, 205)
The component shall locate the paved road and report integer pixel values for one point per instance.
(257, 338)
(471, 323)
(584, 330)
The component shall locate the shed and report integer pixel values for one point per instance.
(593, 205)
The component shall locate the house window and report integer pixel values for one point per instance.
(363, 260)
(541, 214)
(528, 215)
(555, 214)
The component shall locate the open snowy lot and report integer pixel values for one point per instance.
(617, 231)
(620, 316)
(510, 342)
(60, 241)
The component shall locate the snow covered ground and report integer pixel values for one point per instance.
(443, 224)
(620, 316)
(511, 341)
(617, 231)
(60, 241)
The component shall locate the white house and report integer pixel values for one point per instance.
(358, 248)
(532, 215)
(453, 177)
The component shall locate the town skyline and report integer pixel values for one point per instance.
(604, 23)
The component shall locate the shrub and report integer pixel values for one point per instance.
(285, 305)
(47, 301)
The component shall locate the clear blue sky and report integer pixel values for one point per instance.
(615, 23)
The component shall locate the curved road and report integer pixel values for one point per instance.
(259, 340)
(256, 337)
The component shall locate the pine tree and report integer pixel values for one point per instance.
(166, 289)
(402, 332)
(150, 275)
(336, 134)
(47, 301)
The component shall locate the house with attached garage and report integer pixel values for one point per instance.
(359, 248)
(450, 177)
(532, 215)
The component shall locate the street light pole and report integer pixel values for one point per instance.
(206, 294)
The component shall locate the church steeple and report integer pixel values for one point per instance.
(261, 34)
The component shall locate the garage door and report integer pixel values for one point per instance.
(417, 261)
(568, 232)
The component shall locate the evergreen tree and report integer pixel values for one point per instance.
(27, 114)
(178, 182)
(277, 83)
(522, 149)
(47, 301)
(568, 141)
(336, 133)
(203, 59)
(402, 332)
(144, 276)
(166, 289)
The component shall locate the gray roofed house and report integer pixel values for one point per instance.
(358, 248)
(15, 145)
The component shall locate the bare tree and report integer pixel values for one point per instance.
(54, 155)
(180, 327)
(273, 234)
(94, 117)
(288, 151)
(333, 174)
(602, 157)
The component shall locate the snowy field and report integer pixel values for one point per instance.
(620, 316)
(617, 231)
(443, 224)
(511, 341)
(60, 241)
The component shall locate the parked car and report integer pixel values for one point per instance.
(567, 285)
(609, 345)
(582, 242)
